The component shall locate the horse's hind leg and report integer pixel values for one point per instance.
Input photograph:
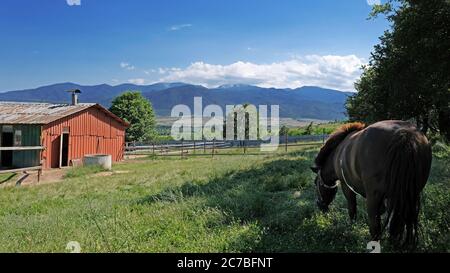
(373, 211)
(351, 201)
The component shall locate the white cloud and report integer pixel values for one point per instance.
(178, 27)
(373, 2)
(337, 72)
(150, 71)
(127, 66)
(73, 2)
(137, 81)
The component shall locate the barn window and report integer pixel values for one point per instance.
(7, 129)
(18, 138)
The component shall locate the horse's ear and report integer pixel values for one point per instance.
(315, 169)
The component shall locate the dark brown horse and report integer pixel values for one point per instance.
(388, 163)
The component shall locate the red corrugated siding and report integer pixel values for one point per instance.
(91, 132)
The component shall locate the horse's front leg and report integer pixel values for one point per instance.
(374, 203)
(351, 201)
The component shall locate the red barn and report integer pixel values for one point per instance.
(67, 132)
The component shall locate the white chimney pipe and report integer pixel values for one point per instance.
(75, 96)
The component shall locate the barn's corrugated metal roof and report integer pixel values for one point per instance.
(43, 113)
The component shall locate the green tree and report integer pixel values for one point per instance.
(408, 76)
(284, 130)
(132, 107)
(308, 130)
(244, 114)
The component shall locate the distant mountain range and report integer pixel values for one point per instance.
(302, 103)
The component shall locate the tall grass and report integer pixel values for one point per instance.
(253, 203)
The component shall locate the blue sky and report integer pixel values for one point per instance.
(279, 43)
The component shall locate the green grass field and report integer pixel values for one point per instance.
(230, 203)
(315, 129)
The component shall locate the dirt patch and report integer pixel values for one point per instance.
(31, 178)
(103, 174)
(132, 157)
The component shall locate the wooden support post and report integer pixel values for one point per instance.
(214, 147)
(22, 178)
(194, 146)
(39, 175)
(204, 146)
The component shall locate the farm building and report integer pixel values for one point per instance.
(57, 135)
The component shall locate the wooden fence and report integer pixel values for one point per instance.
(204, 147)
(23, 170)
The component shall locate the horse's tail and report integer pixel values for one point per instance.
(408, 166)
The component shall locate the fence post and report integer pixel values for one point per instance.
(204, 146)
(153, 147)
(182, 148)
(323, 136)
(286, 139)
(214, 147)
(194, 147)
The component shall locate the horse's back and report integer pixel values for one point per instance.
(383, 132)
(368, 148)
(391, 126)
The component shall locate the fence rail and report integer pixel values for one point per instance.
(22, 148)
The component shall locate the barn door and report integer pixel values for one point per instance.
(64, 150)
(7, 140)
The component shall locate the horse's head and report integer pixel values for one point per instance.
(326, 180)
(326, 189)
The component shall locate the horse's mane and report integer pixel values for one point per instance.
(337, 137)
